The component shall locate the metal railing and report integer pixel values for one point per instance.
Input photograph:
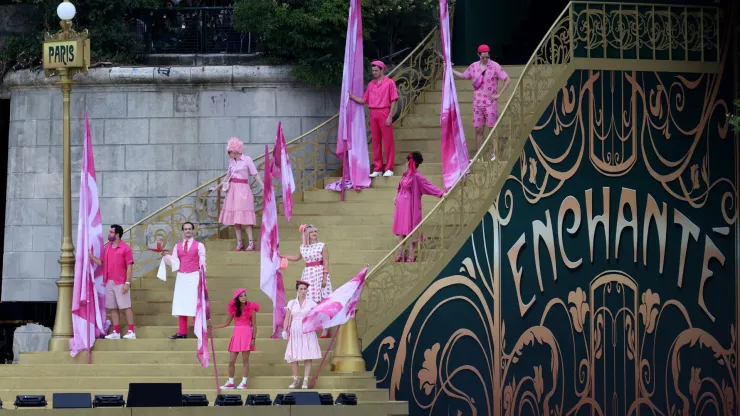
(312, 157)
(189, 30)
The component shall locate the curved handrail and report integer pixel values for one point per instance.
(582, 30)
(312, 159)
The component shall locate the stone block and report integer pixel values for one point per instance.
(22, 241)
(333, 100)
(11, 265)
(13, 212)
(171, 184)
(309, 123)
(43, 132)
(52, 268)
(22, 133)
(148, 206)
(8, 237)
(109, 158)
(33, 211)
(55, 210)
(102, 105)
(199, 157)
(28, 159)
(255, 150)
(46, 238)
(30, 266)
(123, 184)
(20, 185)
(76, 104)
(186, 104)
(212, 103)
(47, 185)
(207, 175)
(173, 131)
(151, 104)
(30, 338)
(212, 74)
(45, 290)
(263, 129)
(292, 102)
(77, 132)
(17, 290)
(117, 210)
(30, 106)
(220, 129)
(130, 131)
(148, 157)
(251, 102)
(56, 161)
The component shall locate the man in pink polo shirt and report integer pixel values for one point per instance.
(118, 267)
(381, 98)
(485, 75)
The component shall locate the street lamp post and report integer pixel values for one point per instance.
(65, 53)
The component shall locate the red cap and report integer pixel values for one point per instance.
(379, 64)
(483, 48)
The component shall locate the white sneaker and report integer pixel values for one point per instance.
(113, 335)
(130, 335)
(494, 157)
(241, 386)
(388, 173)
(375, 174)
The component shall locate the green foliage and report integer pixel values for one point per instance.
(310, 34)
(104, 19)
(735, 120)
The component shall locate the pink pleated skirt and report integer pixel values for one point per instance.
(241, 341)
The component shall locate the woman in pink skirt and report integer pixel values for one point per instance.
(408, 203)
(238, 208)
(316, 272)
(301, 347)
(245, 332)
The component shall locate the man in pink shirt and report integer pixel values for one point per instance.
(485, 75)
(118, 266)
(381, 98)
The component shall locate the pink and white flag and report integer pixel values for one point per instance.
(202, 315)
(281, 169)
(338, 308)
(351, 131)
(88, 292)
(271, 280)
(455, 157)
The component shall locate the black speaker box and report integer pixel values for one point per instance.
(303, 398)
(154, 395)
(72, 400)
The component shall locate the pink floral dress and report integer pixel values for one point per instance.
(314, 272)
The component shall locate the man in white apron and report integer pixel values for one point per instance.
(186, 258)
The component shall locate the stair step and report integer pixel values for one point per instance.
(131, 370)
(348, 256)
(150, 357)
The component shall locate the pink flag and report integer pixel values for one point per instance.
(281, 169)
(455, 157)
(351, 132)
(271, 280)
(202, 315)
(338, 308)
(88, 293)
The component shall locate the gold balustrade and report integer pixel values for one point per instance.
(612, 35)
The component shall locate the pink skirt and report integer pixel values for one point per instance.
(238, 206)
(241, 341)
(403, 222)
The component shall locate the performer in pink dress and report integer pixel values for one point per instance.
(316, 272)
(238, 206)
(244, 315)
(408, 203)
(485, 75)
(301, 347)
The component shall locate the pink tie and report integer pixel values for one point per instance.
(186, 246)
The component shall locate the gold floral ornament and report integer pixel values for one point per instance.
(579, 310)
(648, 310)
(428, 373)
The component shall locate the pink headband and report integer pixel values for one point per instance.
(379, 64)
(235, 145)
(304, 235)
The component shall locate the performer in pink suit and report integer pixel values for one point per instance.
(408, 203)
(186, 259)
(244, 315)
(238, 206)
(301, 347)
(316, 272)
(485, 75)
(381, 98)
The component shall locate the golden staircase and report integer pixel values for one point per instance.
(357, 231)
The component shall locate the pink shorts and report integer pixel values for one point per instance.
(115, 298)
(485, 115)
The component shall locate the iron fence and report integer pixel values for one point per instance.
(190, 30)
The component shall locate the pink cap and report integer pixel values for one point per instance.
(379, 64)
(483, 48)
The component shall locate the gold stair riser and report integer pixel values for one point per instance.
(129, 370)
(291, 247)
(219, 276)
(348, 207)
(328, 382)
(150, 357)
(264, 330)
(347, 256)
(329, 233)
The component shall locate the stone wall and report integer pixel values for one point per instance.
(157, 133)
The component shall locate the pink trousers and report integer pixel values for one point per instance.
(183, 321)
(382, 136)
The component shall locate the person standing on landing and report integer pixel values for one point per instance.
(244, 313)
(407, 213)
(301, 347)
(381, 97)
(485, 75)
(118, 268)
(316, 272)
(186, 259)
(238, 209)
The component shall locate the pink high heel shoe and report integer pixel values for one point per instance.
(239, 245)
(400, 258)
(250, 246)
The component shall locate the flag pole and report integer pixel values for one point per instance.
(345, 166)
(326, 354)
(215, 363)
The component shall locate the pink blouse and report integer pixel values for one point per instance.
(246, 317)
(241, 168)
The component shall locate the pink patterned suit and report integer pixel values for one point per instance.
(485, 107)
(408, 201)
